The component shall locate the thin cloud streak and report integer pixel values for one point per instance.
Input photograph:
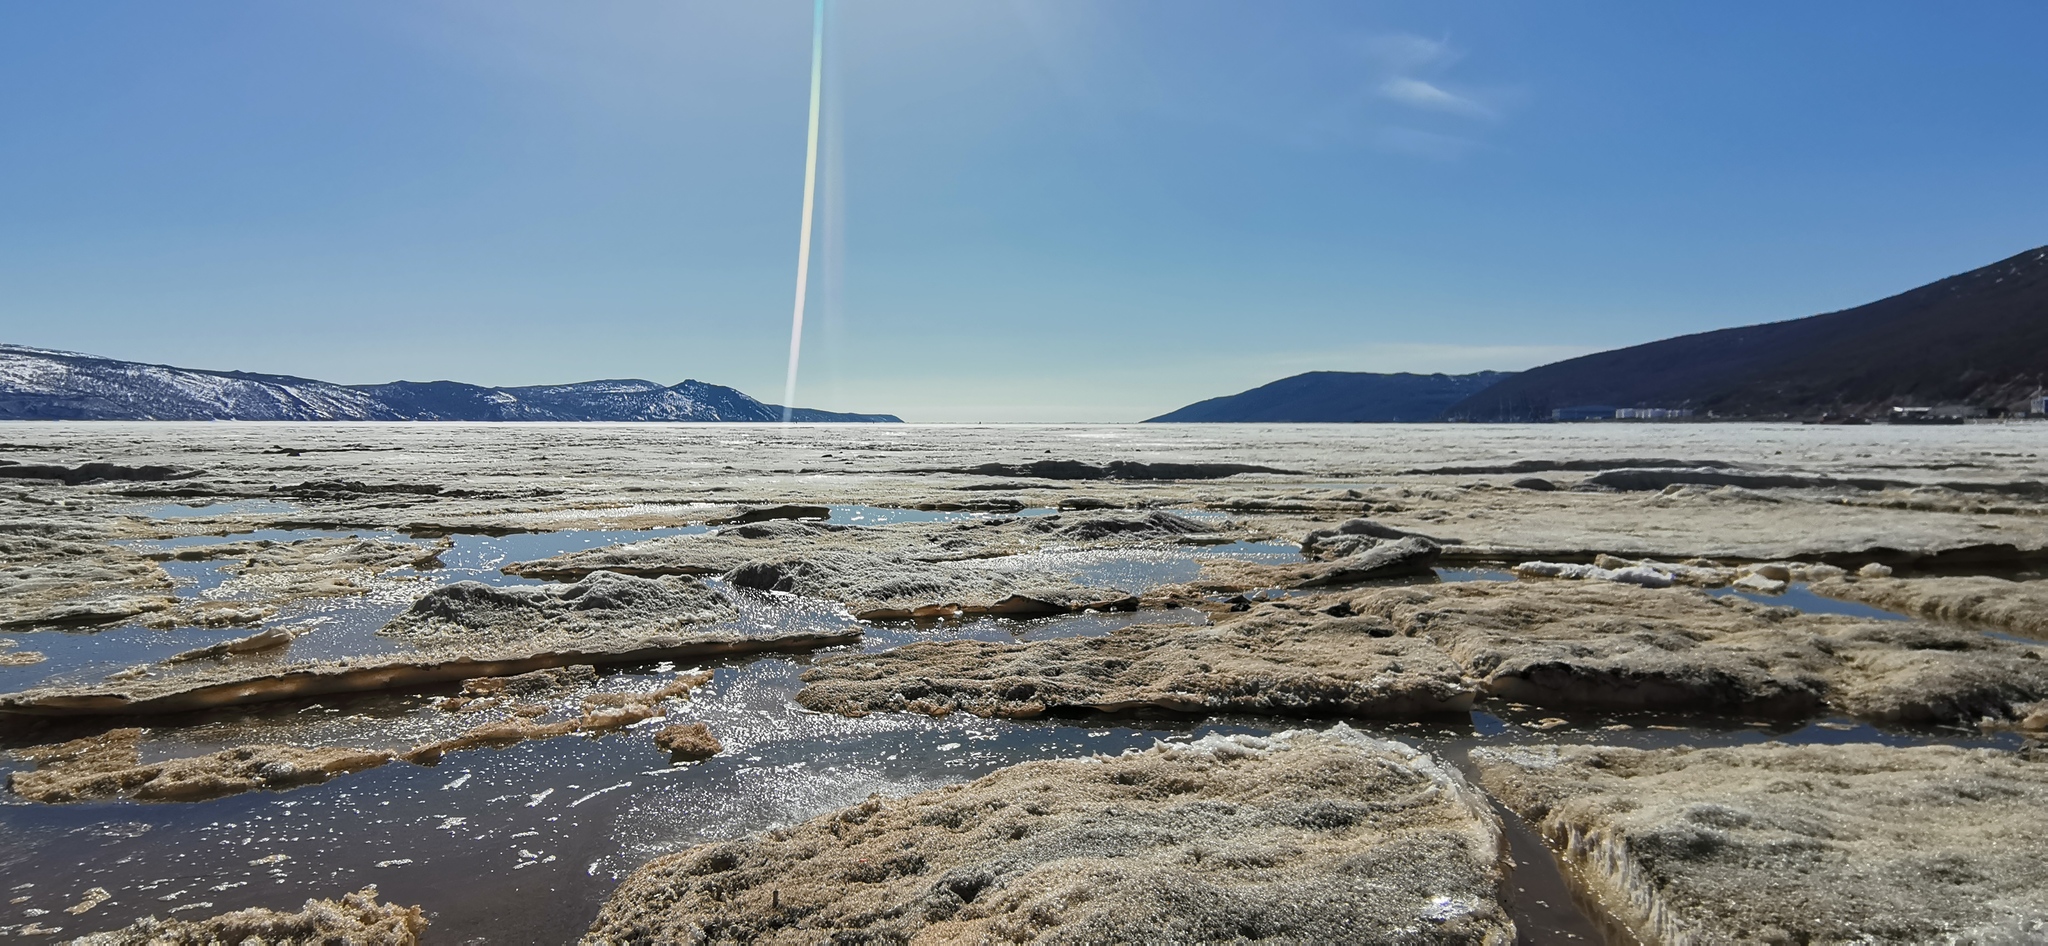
(1424, 95)
(1407, 72)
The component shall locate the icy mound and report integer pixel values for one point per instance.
(1297, 837)
(1793, 844)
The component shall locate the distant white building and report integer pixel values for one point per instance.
(1945, 414)
(1651, 413)
(2038, 405)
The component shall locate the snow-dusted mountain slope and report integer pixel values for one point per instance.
(36, 384)
(39, 384)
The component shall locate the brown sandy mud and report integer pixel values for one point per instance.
(689, 742)
(2015, 607)
(597, 713)
(1334, 668)
(357, 919)
(1412, 651)
(496, 712)
(456, 632)
(1792, 844)
(110, 766)
(77, 580)
(993, 565)
(12, 656)
(1598, 646)
(1301, 836)
(1358, 559)
(56, 574)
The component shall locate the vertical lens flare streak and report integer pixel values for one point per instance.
(803, 251)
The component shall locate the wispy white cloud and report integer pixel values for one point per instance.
(1407, 71)
(1429, 96)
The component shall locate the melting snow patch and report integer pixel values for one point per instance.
(1643, 575)
(458, 783)
(600, 791)
(1445, 909)
(93, 898)
(537, 799)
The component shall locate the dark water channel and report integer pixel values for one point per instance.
(513, 845)
(521, 845)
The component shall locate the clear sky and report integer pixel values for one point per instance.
(1033, 209)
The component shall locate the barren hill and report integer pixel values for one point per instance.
(1978, 338)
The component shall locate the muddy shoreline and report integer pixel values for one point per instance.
(300, 589)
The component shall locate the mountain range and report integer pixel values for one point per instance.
(1978, 339)
(39, 384)
(1320, 397)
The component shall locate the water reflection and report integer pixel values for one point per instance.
(1798, 595)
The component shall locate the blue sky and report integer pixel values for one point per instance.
(1041, 211)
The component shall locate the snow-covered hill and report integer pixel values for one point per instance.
(39, 384)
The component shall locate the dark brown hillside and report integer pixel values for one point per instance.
(1977, 338)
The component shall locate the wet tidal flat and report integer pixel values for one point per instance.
(288, 662)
